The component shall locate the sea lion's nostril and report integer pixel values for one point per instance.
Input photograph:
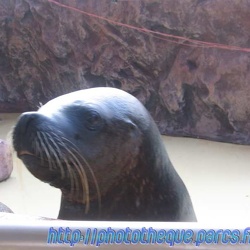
(26, 120)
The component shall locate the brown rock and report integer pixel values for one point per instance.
(47, 50)
(6, 164)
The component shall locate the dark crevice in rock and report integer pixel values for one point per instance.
(152, 102)
(116, 84)
(95, 81)
(222, 117)
(188, 109)
(191, 65)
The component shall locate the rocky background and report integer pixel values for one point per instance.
(191, 90)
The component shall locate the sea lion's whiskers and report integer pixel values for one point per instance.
(48, 138)
(95, 180)
(43, 145)
(74, 182)
(90, 170)
(56, 141)
(83, 177)
(34, 146)
(83, 182)
(38, 150)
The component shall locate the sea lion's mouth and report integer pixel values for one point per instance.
(24, 152)
(39, 168)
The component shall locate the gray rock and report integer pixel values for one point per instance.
(4, 208)
(6, 164)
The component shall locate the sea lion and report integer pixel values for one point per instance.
(101, 147)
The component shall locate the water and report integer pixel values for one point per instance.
(216, 175)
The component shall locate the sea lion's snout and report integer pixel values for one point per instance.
(37, 148)
(24, 131)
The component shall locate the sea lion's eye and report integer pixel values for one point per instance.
(93, 121)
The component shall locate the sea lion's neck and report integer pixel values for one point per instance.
(151, 191)
(70, 210)
(141, 195)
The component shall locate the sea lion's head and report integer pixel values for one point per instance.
(83, 142)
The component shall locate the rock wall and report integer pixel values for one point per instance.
(47, 50)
